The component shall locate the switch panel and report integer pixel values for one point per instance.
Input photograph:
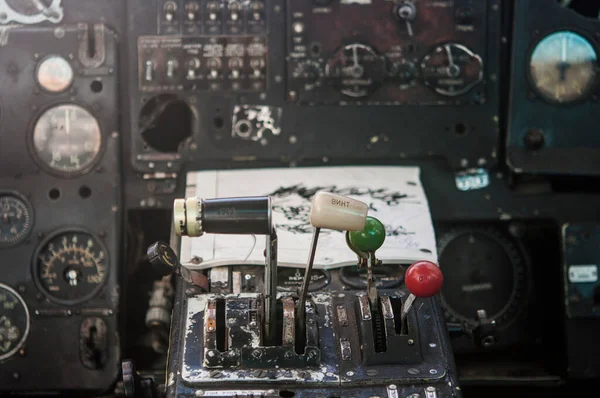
(217, 64)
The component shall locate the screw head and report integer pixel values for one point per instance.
(534, 139)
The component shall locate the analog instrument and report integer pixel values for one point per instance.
(16, 219)
(563, 67)
(482, 269)
(71, 266)
(14, 321)
(54, 74)
(451, 69)
(356, 70)
(67, 140)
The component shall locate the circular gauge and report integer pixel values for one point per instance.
(67, 140)
(451, 69)
(54, 74)
(356, 70)
(563, 67)
(14, 321)
(386, 276)
(290, 279)
(482, 270)
(71, 266)
(16, 219)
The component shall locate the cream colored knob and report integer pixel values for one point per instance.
(337, 212)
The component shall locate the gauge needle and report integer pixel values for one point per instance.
(355, 55)
(563, 65)
(449, 52)
(68, 121)
(453, 70)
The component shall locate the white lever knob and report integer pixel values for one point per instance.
(337, 212)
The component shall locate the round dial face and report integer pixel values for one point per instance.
(71, 267)
(356, 70)
(54, 74)
(14, 321)
(563, 67)
(482, 270)
(16, 219)
(451, 69)
(67, 139)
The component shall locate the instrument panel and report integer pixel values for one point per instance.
(334, 55)
(554, 89)
(104, 107)
(247, 93)
(60, 202)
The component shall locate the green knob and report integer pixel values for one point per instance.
(370, 238)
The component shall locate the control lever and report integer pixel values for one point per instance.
(329, 211)
(364, 243)
(422, 279)
(407, 12)
(243, 215)
(165, 261)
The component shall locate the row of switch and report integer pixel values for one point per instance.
(213, 11)
(212, 64)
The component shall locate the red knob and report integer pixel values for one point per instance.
(423, 279)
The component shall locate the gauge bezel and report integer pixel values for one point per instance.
(42, 245)
(37, 69)
(445, 93)
(43, 165)
(27, 328)
(22, 198)
(593, 87)
(514, 249)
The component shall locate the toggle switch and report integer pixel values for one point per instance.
(407, 12)
(171, 68)
(149, 71)
(170, 9)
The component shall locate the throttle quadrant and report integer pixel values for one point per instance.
(251, 341)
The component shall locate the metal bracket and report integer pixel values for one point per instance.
(472, 179)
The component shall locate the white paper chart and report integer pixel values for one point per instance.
(394, 194)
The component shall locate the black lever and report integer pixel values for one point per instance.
(165, 261)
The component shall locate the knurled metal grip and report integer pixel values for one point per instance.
(187, 217)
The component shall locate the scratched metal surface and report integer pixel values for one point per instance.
(334, 377)
(193, 371)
